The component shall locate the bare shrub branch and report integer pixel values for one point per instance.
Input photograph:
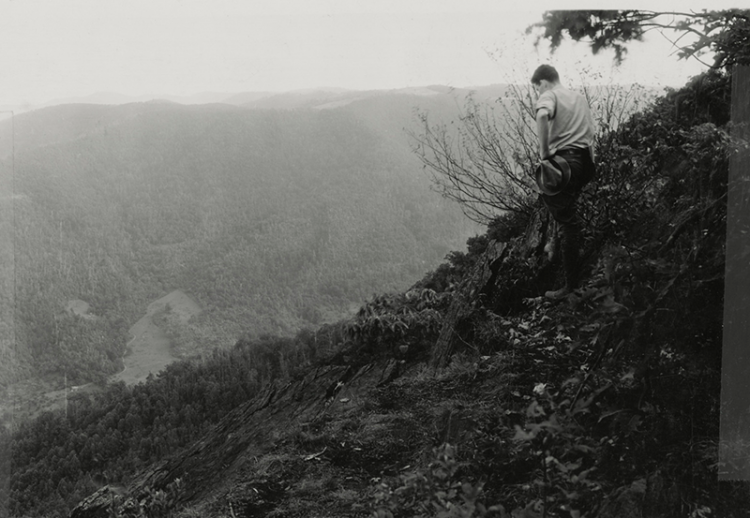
(484, 158)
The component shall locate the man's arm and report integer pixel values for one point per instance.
(542, 131)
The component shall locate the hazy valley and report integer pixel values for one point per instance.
(283, 213)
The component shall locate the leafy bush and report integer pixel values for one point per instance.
(155, 503)
(388, 321)
(565, 477)
(435, 491)
(507, 226)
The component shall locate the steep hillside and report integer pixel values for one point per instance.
(470, 395)
(579, 408)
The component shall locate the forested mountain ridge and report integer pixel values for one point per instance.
(272, 219)
(293, 99)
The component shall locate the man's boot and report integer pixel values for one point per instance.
(570, 233)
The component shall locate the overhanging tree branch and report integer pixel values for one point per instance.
(723, 32)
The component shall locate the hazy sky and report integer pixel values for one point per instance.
(53, 49)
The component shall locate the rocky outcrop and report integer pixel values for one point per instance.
(463, 302)
(478, 287)
(249, 431)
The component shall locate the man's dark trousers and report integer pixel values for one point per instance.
(562, 207)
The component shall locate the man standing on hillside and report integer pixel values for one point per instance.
(566, 129)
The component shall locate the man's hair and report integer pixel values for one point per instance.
(547, 72)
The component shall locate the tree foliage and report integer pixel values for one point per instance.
(724, 33)
(271, 221)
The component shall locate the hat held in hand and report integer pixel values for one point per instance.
(552, 175)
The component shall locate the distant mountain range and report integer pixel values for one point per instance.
(324, 97)
(292, 99)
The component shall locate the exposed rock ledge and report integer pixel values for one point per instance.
(250, 430)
